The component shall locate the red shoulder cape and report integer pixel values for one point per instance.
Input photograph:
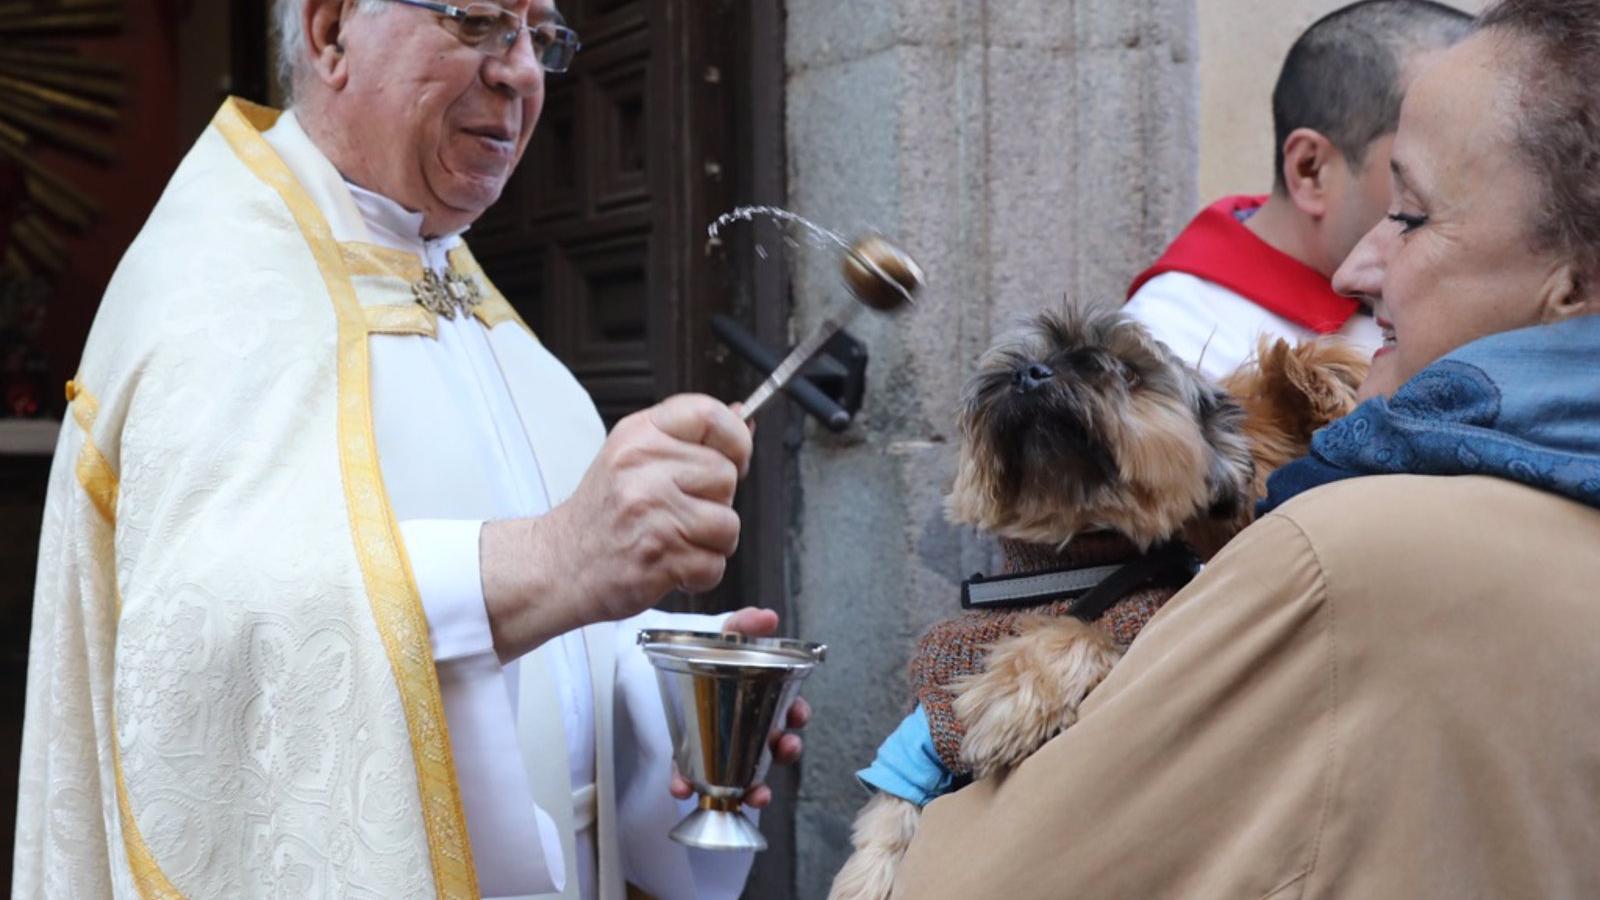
(1218, 248)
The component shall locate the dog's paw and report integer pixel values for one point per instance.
(1029, 690)
(883, 832)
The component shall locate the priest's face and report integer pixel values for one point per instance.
(440, 124)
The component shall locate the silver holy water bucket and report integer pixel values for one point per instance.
(722, 694)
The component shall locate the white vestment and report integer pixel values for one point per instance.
(268, 508)
(1216, 330)
(455, 453)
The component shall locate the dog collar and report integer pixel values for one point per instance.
(1094, 588)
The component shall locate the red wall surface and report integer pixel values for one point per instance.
(146, 140)
(148, 150)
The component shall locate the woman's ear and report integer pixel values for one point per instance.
(324, 25)
(1567, 293)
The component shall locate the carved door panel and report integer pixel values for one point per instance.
(599, 239)
(672, 113)
(584, 242)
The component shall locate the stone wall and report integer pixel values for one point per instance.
(1030, 153)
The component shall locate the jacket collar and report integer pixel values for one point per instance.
(1520, 405)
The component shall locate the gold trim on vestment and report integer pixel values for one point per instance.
(391, 589)
(495, 309)
(372, 260)
(98, 481)
(95, 474)
(389, 274)
(93, 470)
(148, 878)
(401, 320)
(85, 408)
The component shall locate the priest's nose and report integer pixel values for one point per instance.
(519, 73)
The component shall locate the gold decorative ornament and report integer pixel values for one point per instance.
(445, 296)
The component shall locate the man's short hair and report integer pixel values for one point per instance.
(1343, 77)
(288, 35)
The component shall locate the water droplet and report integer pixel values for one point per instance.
(819, 236)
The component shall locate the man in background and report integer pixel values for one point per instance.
(1252, 266)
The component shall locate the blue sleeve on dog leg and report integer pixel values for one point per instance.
(907, 765)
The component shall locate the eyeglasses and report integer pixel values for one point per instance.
(493, 31)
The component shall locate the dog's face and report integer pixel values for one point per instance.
(1084, 421)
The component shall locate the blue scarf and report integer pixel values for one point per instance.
(1522, 405)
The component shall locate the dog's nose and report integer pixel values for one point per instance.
(1032, 377)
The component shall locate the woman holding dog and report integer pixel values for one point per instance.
(1385, 687)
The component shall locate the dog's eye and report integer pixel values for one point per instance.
(1130, 375)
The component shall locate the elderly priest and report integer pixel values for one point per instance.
(340, 573)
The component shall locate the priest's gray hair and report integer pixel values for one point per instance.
(289, 39)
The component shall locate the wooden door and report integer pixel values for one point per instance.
(600, 237)
(672, 114)
(591, 238)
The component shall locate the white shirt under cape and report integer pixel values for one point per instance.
(242, 664)
(1216, 329)
(454, 454)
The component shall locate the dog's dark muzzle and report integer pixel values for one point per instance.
(1029, 378)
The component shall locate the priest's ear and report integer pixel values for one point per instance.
(1308, 170)
(324, 22)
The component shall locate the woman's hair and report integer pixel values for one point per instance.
(1559, 126)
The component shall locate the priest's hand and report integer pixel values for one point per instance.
(653, 514)
(786, 747)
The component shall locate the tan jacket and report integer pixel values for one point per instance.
(1389, 689)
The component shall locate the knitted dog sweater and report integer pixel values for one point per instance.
(957, 647)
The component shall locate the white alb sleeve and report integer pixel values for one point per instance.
(515, 845)
(444, 561)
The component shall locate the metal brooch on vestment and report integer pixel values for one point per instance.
(445, 296)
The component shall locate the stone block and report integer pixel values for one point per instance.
(1029, 154)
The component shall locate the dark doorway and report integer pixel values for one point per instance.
(671, 115)
(668, 117)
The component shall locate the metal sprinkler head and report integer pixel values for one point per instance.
(880, 274)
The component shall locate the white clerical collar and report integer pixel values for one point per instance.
(398, 228)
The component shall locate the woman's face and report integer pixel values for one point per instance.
(1455, 259)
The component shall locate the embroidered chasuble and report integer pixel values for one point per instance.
(256, 664)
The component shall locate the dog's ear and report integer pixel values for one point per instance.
(1231, 468)
(1308, 385)
(1330, 373)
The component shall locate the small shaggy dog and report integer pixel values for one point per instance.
(1106, 466)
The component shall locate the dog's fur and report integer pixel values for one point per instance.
(1112, 441)
(1288, 392)
(1114, 433)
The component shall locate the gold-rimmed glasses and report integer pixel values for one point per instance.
(493, 31)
